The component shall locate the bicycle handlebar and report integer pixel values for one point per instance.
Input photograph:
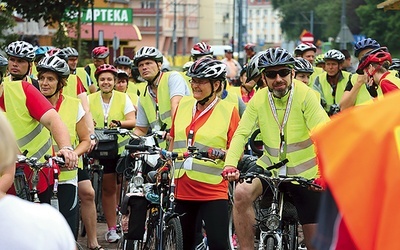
(34, 162)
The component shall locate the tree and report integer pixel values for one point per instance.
(7, 22)
(381, 25)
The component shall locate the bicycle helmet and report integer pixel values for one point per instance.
(54, 64)
(319, 59)
(122, 74)
(201, 49)
(147, 53)
(395, 64)
(3, 65)
(105, 68)
(249, 46)
(21, 49)
(57, 52)
(71, 52)
(303, 47)
(41, 51)
(207, 68)
(187, 65)
(301, 65)
(100, 52)
(367, 43)
(335, 55)
(123, 61)
(252, 70)
(275, 57)
(378, 56)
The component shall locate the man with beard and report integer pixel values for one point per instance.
(285, 112)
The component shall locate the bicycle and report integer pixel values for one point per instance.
(278, 222)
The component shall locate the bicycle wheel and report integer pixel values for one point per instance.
(232, 240)
(21, 185)
(150, 237)
(270, 243)
(289, 238)
(124, 244)
(96, 179)
(173, 238)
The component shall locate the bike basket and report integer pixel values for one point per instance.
(107, 147)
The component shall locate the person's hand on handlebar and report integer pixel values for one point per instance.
(71, 158)
(320, 182)
(230, 173)
(216, 153)
(115, 124)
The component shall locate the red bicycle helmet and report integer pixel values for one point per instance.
(249, 46)
(378, 56)
(100, 52)
(105, 68)
(201, 49)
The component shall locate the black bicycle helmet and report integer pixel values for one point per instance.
(207, 68)
(123, 61)
(147, 53)
(21, 49)
(367, 43)
(275, 57)
(301, 65)
(395, 64)
(252, 70)
(71, 52)
(3, 65)
(335, 55)
(54, 64)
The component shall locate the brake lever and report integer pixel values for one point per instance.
(198, 157)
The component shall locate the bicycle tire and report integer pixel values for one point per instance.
(21, 185)
(232, 239)
(253, 147)
(290, 237)
(79, 246)
(96, 182)
(270, 243)
(150, 237)
(173, 237)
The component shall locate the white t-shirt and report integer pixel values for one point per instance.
(27, 225)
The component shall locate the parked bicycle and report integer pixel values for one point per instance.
(277, 221)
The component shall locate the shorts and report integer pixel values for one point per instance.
(83, 173)
(109, 165)
(306, 201)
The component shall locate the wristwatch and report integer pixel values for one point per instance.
(92, 137)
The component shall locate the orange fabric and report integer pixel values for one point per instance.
(359, 157)
(193, 190)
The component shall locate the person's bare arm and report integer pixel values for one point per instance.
(174, 104)
(88, 118)
(349, 97)
(7, 178)
(83, 135)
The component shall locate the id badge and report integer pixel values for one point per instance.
(188, 163)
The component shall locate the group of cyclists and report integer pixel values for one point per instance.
(285, 95)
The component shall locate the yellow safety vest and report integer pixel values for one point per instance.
(232, 98)
(164, 103)
(187, 79)
(327, 88)
(116, 112)
(132, 92)
(82, 74)
(212, 134)
(317, 71)
(92, 76)
(31, 135)
(299, 147)
(68, 112)
(70, 88)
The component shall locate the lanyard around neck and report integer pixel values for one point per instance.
(285, 117)
(194, 119)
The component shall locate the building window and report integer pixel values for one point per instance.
(148, 5)
(146, 22)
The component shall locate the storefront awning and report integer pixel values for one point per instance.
(389, 5)
(124, 32)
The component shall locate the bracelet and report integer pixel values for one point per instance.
(68, 148)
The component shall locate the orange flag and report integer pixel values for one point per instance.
(359, 158)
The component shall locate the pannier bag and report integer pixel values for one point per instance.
(107, 146)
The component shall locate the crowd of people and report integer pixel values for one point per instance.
(53, 107)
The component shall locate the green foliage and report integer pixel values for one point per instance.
(50, 10)
(381, 25)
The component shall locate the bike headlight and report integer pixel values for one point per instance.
(138, 181)
(272, 222)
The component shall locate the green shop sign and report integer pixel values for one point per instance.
(102, 15)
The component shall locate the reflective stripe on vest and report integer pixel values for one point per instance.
(116, 112)
(211, 134)
(292, 147)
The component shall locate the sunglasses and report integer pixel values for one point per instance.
(199, 81)
(281, 73)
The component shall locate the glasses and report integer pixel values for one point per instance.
(281, 73)
(200, 82)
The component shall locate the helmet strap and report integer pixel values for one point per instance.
(203, 101)
(57, 90)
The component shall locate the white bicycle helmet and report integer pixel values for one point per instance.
(303, 47)
(3, 65)
(71, 52)
(147, 53)
(55, 64)
(21, 49)
(301, 65)
(252, 69)
(187, 65)
(335, 55)
(207, 68)
(201, 49)
(123, 61)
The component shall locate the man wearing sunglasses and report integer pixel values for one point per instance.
(285, 112)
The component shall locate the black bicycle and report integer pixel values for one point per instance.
(276, 216)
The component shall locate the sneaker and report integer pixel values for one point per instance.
(112, 236)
